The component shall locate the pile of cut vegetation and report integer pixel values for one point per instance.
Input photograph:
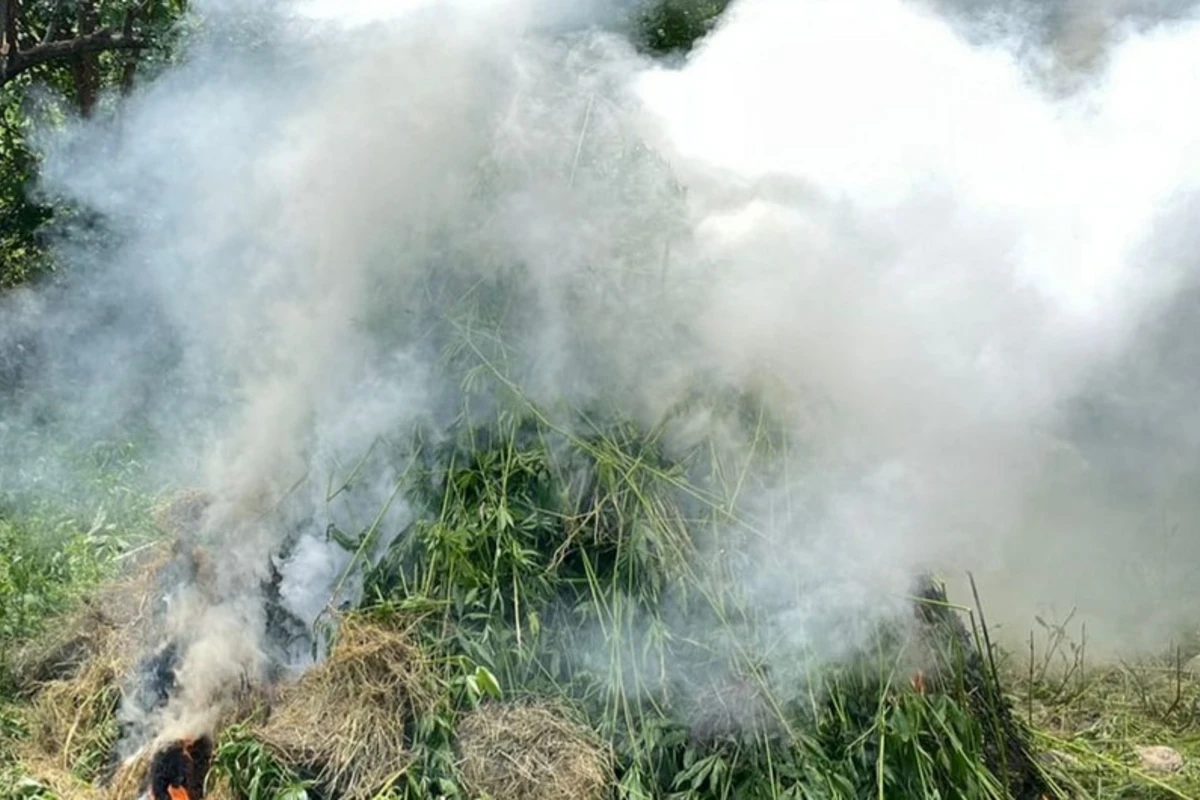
(69, 680)
(560, 630)
(552, 624)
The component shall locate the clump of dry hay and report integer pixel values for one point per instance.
(72, 723)
(100, 630)
(343, 721)
(84, 739)
(72, 678)
(127, 782)
(531, 752)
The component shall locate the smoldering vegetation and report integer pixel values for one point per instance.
(719, 355)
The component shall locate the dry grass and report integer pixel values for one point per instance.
(344, 720)
(1093, 722)
(72, 678)
(218, 789)
(182, 512)
(531, 752)
(73, 722)
(101, 631)
(127, 783)
(61, 783)
(68, 651)
(64, 784)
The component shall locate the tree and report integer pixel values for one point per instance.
(78, 49)
(50, 35)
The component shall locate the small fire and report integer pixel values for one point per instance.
(178, 770)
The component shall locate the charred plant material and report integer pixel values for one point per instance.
(962, 668)
(191, 566)
(146, 691)
(177, 771)
(287, 638)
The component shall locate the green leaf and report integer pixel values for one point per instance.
(344, 541)
(487, 683)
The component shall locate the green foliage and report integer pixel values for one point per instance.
(23, 218)
(674, 26)
(565, 559)
(21, 256)
(16, 785)
(43, 565)
(251, 772)
(55, 546)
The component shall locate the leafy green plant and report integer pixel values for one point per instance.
(252, 772)
(560, 558)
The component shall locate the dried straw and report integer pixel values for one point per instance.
(531, 752)
(344, 719)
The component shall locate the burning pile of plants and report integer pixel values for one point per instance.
(556, 440)
(551, 567)
(546, 624)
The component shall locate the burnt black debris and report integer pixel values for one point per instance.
(147, 690)
(182, 767)
(287, 636)
(153, 682)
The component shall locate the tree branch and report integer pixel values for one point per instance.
(21, 61)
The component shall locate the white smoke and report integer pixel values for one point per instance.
(960, 255)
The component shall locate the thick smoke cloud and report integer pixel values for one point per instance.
(960, 261)
(962, 292)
